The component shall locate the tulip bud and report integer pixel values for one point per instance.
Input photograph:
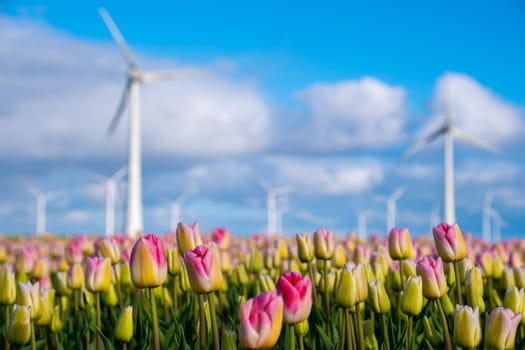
(184, 284)
(353, 286)
(370, 336)
(125, 274)
(297, 296)
(305, 247)
(25, 260)
(148, 262)
(56, 321)
(3, 254)
(75, 276)
(266, 283)
(507, 279)
(500, 328)
(261, 321)
(331, 279)
(519, 276)
(282, 248)
(255, 261)
(467, 327)
(188, 237)
(400, 244)
(449, 242)
(19, 331)
(339, 256)
(110, 249)
(60, 281)
(124, 328)
(173, 261)
(46, 315)
(411, 302)
(429, 332)
(464, 265)
(204, 268)
(447, 305)
(515, 301)
(28, 294)
(229, 340)
(98, 275)
(409, 268)
(433, 277)
(393, 279)
(7, 287)
(110, 297)
(474, 289)
(324, 244)
(221, 237)
(41, 268)
(378, 297)
(240, 276)
(73, 252)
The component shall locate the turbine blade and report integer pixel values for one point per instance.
(120, 173)
(462, 135)
(265, 185)
(93, 176)
(175, 75)
(398, 193)
(120, 109)
(34, 191)
(117, 36)
(424, 142)
(282, 190)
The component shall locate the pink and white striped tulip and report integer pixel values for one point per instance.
(147, 263)
(449, 242)
(399, 244)
(324, 244)
(98, 275)
(261, 321)
(297, 296)
(500, 328)
(204, 268)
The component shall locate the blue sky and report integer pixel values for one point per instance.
(323, 99)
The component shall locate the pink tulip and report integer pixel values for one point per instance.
(221, 237)
(108, 247)
(433, 277)
(74, 252)
(147, 263)
(449, 242)
(98, 276)
(204, 268)
(261, 321)
(25, 260)
(297, 296)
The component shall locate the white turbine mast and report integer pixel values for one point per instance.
(449, 131)
(131, 97)
(272, 194)
(362, 223)
(498, 223)
(41, 206)
(487, 213)
(391, 209)
(111, 187)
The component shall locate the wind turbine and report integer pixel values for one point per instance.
(449, 131)
(496, 233)
(487, 214)
(282, 208)
(391, 209)
(362, 222)
(271, 203)
(41, 204)
(130, 96)
(111, 184)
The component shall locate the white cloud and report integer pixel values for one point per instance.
(366, 112)
(475, 109)
(76, 216)
(481, 173)
(59, 94)
(327, 175)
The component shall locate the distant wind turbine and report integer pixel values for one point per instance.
(136, 76)
(498, 222)
(111, 184)
(41, 204)
(449, 131)
(362, 223)
(176, 208)
(391, 210)
(271, 203)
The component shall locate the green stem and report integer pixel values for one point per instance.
(342, 327)
(155, 319)
(360, 328)
(215, 329)
(301, 342)
(350, 331)
(175, 287)
(311, 272)
(124, 346)
(409, 333)
(7, 317)
(33, 337)
(488, 291)
(386, 337)
(292, 337)
(202, 329)
(459, 294)
(117, 285)
(327, 301)
(444, 324)
(99, 322)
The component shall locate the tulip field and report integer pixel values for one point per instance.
(192, 290)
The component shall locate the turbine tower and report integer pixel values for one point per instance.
(131, 97)
(449, 131)
(41, 205)
(111, 184)
(271, 203)
(487, 214)
(496, 232)
(362, 222)
(391, 210)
